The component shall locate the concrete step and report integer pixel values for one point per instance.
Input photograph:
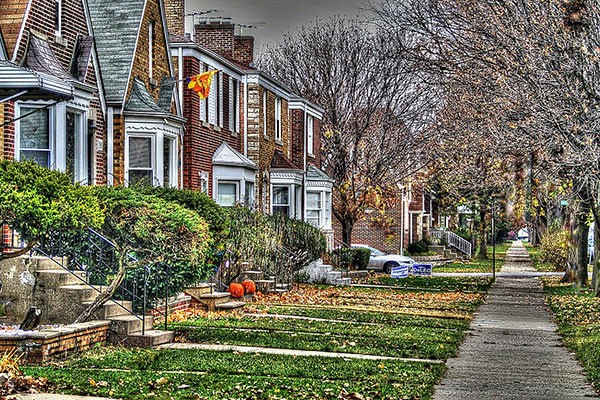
(343, 282)
(83, 292)
(45, 263)
(150, 338)
(60, 277)
(126, 325)
(112, 309)
(325, 268)
(252, 275)
(278, 291)
(211, 301)
(200, 289)
(231, 306)
(265, 285)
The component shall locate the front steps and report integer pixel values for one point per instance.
(449, 253)
(59, 287)
(323, 273)
(212, 300)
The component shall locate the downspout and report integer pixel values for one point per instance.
(246, 115)
(110, 137)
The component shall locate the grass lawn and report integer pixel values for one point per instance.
(373, 321)
(439, 283)
(534, 254)
(577, 313)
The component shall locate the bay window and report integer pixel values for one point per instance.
(227, 193)
(281, 200)
(35, 135)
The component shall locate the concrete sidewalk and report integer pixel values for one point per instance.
(512, 350)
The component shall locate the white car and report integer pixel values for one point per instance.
(381, 261)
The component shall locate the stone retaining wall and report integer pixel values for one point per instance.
(42, 345)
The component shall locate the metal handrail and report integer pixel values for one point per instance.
(453, 240)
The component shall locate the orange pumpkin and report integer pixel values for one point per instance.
(236, 290)
(249, 286)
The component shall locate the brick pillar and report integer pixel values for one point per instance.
(243, 51)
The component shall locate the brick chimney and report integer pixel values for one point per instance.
(175, 10)
(216, 36)
(243, 51)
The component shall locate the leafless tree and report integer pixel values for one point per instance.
(378, 110)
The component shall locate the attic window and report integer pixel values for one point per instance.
(58, 17)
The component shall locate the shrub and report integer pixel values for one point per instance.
(39, 203)
(351, 257)
(418, 247)
(554, 247)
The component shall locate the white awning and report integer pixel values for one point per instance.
(26, 83)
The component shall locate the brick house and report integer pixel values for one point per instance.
(144, 123)
(50, 106)
(252, 140)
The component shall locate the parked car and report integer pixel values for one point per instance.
(384, 262)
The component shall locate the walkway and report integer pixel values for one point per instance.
(512, 350)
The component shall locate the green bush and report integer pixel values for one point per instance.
(39, 203)
(418, 247)
(158, 233)
(361, 258)
(350, 257)
(554, 248)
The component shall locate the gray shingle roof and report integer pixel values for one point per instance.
(42, 59)
(141, 101)
(115, 25)
(315, 174)
(165, 97)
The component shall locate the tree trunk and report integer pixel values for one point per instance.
(347, 226)
(595, 277)
(482, 235)
(106, 294)
(582, 233)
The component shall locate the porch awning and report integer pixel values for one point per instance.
(24, 83)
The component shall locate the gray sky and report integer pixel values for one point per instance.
(278, 16)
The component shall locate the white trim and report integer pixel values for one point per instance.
(310, 135)
(21, 31)
(110, 139)
(51, 128)
(153, 163)
(278, 120)
(207, 57)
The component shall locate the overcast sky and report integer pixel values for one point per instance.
(278, 16)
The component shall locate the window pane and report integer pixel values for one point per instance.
(167, 167)
(226, 194)
(34, 131)
(280, 195)
(140, 177)
(285, 210)
(140, 152)
(249, 193)
(39, 157)
(313, 200)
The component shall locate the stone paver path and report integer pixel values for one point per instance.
(512, 350)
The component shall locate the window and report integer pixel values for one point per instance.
(57, 17)
(281, 200)
(214, 100)
(204, 182)
(77, 154)
(278, 119)
(234, 101)
(141, 165)
(310, 141)
(35, 136)
(150, 48)
(227, 193)
(169, 161)
(249, 194)
(314, 208)
(327, 210)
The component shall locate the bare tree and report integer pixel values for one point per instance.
(378, 110)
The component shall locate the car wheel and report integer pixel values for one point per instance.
(387, 268)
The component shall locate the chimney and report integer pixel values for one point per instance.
(243, 51)
(216, 36)
(175, 10)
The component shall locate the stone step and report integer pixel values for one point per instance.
(112, 309)
(343, 282)
(125, 325)
(60, 277)
(325, 268)
(84, 292)
(150, 338)
(45, 263)
(231, 306)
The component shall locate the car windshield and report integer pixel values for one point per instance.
(376, 252)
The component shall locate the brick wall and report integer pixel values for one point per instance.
(175, 10)
(43, 345)
(216, 36)
(297, 127)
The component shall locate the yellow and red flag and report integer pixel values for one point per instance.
(201, 83)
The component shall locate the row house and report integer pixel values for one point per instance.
(51, 109)
(87, 88)
(252, 140)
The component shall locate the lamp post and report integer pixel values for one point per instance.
(493, 239)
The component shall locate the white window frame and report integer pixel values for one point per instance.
(278, 135)
(235, 183)
(289, 204)
(81, 147)
(310, 135)
(320, 208)
(51, 129)
(172, 161)
(234, 101)
(219, 105)
(249, 193)
(203, 105)
(153, 163)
